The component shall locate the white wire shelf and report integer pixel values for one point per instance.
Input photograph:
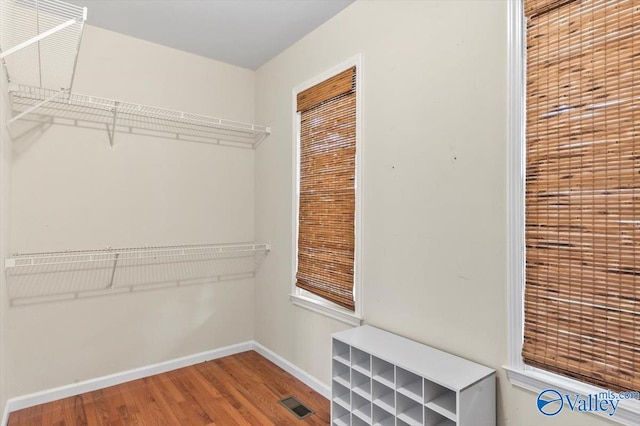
(38, 277)
(40, 40)
(116, 116)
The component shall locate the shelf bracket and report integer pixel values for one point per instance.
(262, 137)
(75, 61)
(36, 106)
(112, 133)
(113, 271)
(37, 38)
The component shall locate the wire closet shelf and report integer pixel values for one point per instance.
(116, 116)
(36, 277)
(40, 40)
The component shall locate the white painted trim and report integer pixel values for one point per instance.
(516, 182)
(536, 380)
(90, 385)
(325, 307)
(5, 415)
(298, 296)
(306, 378)
(519, 374)
(26, 401)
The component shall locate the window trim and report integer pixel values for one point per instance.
(298, 296)
(519, 374)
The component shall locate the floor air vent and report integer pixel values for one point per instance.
(296, 407)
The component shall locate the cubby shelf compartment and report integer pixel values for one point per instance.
(434, 419)
(340, 415)
(341, 354)
(343, 401)
(361, 361)
(341, 396)
(384, 397)
(341, 375)
(382, 417)
(409, 384)
(124, 117)
(409, 411)
(357, 421)
(361, 408)
(383, 372)
(361, 385)
(444, 404)
(342, 421)
(396, 381)
(73, 274)
(40, 40)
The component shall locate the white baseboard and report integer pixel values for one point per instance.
(5, 415)
(26, 401)
(294, 370)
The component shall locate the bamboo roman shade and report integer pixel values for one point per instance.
(326, 217)
(582, 296)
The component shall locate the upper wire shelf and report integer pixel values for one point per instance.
(36, 277)
(116, 116)
(40, 40)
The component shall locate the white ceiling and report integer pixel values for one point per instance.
(247, 33)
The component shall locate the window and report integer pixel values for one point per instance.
(326, 195)
(576, 322)
(582, 291)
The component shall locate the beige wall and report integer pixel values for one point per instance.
(69, 191)
(5, 168)
(435, 191)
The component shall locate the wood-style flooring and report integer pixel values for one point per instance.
(242, 389)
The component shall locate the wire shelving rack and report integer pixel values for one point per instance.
(116, 116)
(36, 277)
(39, 44)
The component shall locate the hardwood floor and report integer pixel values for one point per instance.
(242, 389)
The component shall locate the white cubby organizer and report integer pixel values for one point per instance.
(379, 378)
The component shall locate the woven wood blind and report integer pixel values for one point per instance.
(582, 297)
(326, 221)
(330, 88)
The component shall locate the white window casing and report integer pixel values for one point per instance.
(298, 296)
(519, 374)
